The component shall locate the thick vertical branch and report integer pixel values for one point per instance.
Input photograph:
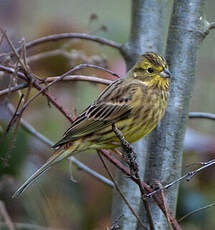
(147, 34)
(166, 142)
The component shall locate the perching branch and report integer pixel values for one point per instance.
(130, 156)
(121, 194)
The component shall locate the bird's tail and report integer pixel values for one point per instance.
(58, 155)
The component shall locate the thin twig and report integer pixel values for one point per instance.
(126, 171)
(195, 211)
(13, 48)
(56, 37)
(188, 176)
(13, 89)
(38, 87)
(209, 116)
(78, 67)
(119, 191)
(80, 78)
(6, 217)
(165, 205)
(50, 79)
(91, 172)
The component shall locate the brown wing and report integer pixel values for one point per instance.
(110, 107)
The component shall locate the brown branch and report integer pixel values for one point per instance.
(78, 67)
(165, 205)
(146, 187)
(57, 37)
(121, 194)
(50, 79)
(38, 87)
(80, 78)
(13, 89)
(130, 156)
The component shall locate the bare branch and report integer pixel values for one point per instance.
(119, 191)
(126, 171)
(13, 48)
(130, 156)
(195, 211)
(49, 79)
(13, 89)
(91, 172)
(38, 87)
(188, 176)
(212, 26)
(209, 116)
(78, 67)
(80, 78)
(56, 37)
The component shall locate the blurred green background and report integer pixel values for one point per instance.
(55, 201)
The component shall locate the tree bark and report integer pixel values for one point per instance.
(148, 28)
(160, 153)
(165, 146)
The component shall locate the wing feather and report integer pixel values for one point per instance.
(105, 110)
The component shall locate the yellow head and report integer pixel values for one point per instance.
(152, 69)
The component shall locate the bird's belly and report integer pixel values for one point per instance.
(138, 131)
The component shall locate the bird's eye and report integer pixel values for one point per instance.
(150, 70)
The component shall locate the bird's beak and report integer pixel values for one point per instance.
(165, 73)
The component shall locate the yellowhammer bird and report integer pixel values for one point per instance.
(135, 103)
